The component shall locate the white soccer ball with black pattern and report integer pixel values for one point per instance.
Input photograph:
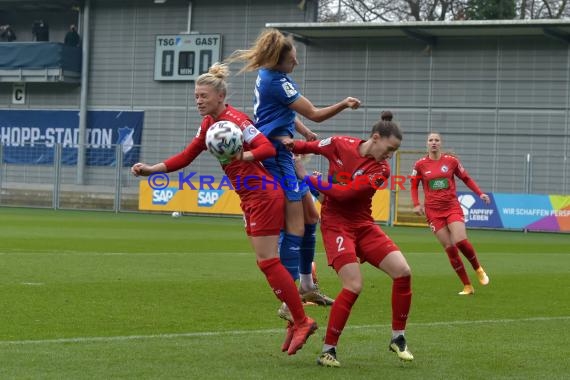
(224, 140)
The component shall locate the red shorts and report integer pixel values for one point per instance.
(345, 245)
(438, 219)
(264, 216)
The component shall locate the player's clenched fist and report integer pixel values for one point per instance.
(353, 103)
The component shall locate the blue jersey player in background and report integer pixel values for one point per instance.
(276, 105)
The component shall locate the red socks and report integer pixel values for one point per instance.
(283, 286)
(340, 311)
(469, 252)
(457, 264)
(401, 301)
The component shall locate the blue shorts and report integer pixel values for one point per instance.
(282, 168)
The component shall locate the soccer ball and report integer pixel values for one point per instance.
(176, 214)
(224, 140)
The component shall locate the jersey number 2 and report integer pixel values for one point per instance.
(340, 241)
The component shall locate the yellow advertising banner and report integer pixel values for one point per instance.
(381, 205)
(171, 198)
(223, 201)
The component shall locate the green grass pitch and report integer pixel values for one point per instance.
(92, 295)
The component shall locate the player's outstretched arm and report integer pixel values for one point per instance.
(356, 189)
(303, 106)
(142, 169)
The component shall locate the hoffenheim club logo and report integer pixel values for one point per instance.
(126, 139)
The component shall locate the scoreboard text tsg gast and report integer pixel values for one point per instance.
(185, 56)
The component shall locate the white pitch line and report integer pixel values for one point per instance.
(265, 331)
(133, 254)
(482, 321)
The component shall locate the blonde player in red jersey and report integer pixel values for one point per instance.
(263, 207)
(357, 168)
(437, 172)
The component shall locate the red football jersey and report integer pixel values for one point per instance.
(438, 181)
(258, 181)
(355, 179)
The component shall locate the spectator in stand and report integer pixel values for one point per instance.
(40, 31)
(7, 33)
(72, 37)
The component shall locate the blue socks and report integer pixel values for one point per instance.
(289, 252)
(308, 249)
(297, 253)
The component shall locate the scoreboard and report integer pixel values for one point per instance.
(184, 57)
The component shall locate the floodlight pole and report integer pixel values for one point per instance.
(81, 144)
(189, 21)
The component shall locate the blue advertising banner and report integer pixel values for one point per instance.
(29, 137)
(533, 212)
(477, 213)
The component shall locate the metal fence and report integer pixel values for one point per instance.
(113, 188)
(517, 173)
(55, 184)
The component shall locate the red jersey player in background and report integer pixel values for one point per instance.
(357, 168)
(437, 172)
(263, 208)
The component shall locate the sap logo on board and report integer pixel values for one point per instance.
(208, 198)
(162, 197)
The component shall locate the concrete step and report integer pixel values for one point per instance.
(67, 199)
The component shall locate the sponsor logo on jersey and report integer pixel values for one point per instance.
(289, 89)
(357, 173)
(325, 142)
(439, 184)
(377, 179)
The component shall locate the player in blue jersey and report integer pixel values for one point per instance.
(276, 105)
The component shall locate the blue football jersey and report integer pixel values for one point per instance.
(274, 91)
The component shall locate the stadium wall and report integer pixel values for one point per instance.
(121, 77)
(501, 103)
